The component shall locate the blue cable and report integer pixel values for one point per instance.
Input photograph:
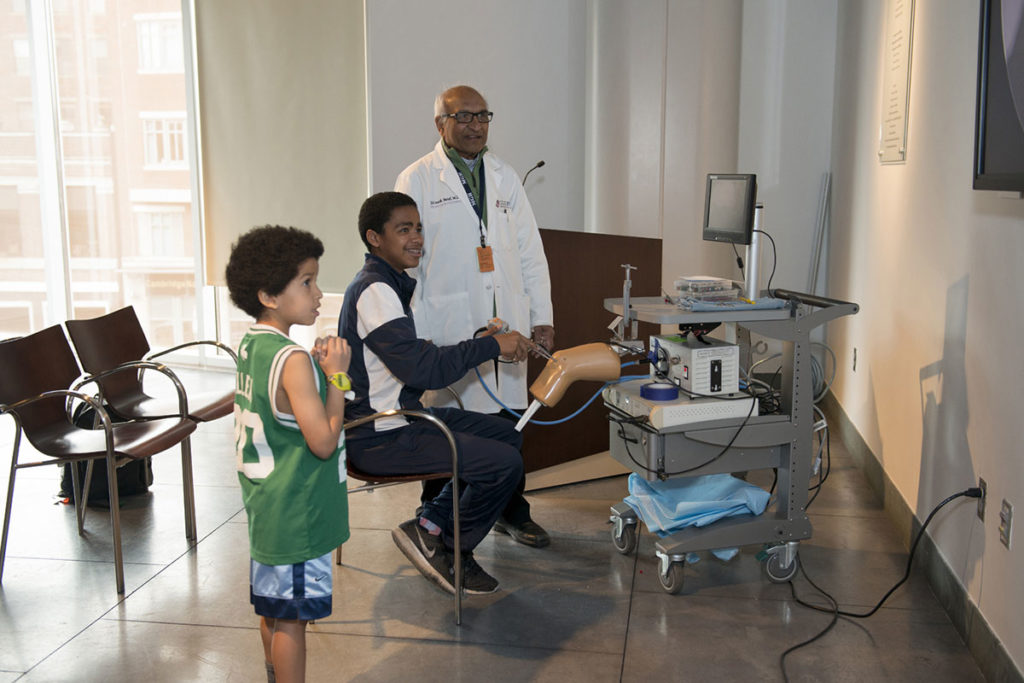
(568, 417)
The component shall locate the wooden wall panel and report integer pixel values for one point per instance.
(585, 270)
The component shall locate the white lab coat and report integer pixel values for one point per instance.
(453, 298)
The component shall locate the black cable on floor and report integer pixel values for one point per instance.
(972, 492)
(821, 633)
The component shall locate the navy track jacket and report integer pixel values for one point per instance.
(391, 367)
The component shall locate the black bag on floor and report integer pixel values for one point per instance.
(132, 478)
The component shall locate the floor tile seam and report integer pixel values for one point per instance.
(454, 640)
(571, 501)
(888, 609)
(582, 539)
(196, 485)
(894, 589)
(629, 615)
(847, 606)
(555, 536)
(80, 559)
(835, 514)
(185, 624)
(163, 567)
(874, 517)
(82, 630)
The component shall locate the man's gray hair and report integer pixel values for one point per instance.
(439, 103)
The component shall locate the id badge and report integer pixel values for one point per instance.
(485, 259)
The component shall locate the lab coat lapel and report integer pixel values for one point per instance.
(492, 171)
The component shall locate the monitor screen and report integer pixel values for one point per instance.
(729, 207)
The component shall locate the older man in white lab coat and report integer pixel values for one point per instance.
(483, 259)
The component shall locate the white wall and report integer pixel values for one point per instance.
(525, 57)
(701, 119)
(785, 128)
(678, 89)
(933, 264)
(630, 105)
(663, 99)
(625, 117)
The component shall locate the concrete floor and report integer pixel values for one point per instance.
(575, 611)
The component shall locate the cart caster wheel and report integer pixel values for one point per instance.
(672, 581)
(625, 542)
(777, 573)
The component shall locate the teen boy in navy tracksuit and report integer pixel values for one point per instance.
(391, 368)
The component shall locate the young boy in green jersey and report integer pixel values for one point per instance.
(290, 448)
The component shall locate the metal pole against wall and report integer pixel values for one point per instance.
(819, 233)
(751, 290)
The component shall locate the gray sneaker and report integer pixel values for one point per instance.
(426, 552)
(475, 580)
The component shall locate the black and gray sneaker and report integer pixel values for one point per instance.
(426, 552)
(475, 580)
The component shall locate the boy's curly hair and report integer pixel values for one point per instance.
(267, 258)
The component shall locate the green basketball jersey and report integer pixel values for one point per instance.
(297, 503)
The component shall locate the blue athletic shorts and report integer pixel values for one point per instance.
(300, 591)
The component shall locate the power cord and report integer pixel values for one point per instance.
(824, 463)
(821, 381)
(739, 259)
(660, 473)
(820, 634)
(775, 260)
(973, 492)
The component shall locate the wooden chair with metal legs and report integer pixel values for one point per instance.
(35, 373)
(375, 481)
(116, 339)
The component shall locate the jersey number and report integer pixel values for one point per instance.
(249, 437)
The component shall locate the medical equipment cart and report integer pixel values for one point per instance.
(782, 441)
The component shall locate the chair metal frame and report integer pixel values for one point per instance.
(381, 481)
(187, 478)
(138, 442)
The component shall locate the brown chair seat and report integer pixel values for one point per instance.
(202, 407)
(131, 439)
(377, 480)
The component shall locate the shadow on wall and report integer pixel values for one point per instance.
(946, 463)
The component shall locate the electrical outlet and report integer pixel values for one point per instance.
(981, 501)
(1005, 522)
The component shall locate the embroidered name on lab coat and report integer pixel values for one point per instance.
(443, 200)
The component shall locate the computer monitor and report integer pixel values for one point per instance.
(729, 207)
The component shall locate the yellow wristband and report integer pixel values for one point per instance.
(341, 381)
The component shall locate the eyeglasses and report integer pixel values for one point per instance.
(467, 116)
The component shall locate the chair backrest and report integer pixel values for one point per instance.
(35, 364)
(104, 343)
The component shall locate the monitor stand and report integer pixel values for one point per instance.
(753, 257)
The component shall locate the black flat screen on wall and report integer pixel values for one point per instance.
(999, 126)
